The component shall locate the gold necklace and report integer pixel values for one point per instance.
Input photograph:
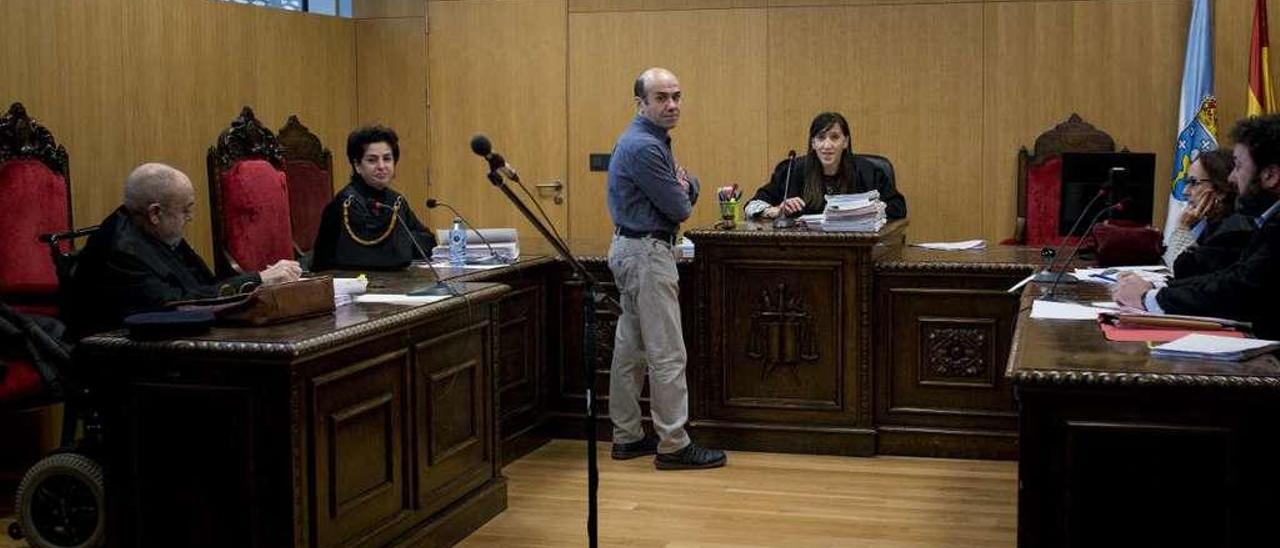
(346, 222)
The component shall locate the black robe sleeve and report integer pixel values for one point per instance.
(1245, 291)
(327, 236)
(420, 232)
(1219, 247)
(874, 178)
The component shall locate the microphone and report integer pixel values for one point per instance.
(1048, 275)
(1113, 208)
(433, 203)
(785, 221)
(483, 148)
(439, 289)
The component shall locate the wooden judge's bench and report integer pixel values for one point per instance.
(388, 425)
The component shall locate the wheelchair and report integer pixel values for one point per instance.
(61, 500)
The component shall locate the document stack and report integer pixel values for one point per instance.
(1208, 347)
(853, 213)
(503, 241)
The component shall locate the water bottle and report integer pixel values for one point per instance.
(457, 244)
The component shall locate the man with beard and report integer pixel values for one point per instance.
(1249, 289)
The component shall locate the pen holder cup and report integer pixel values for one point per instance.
(729, 211)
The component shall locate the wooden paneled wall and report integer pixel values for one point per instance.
(391, 89)
(121, 82)
(947, 89)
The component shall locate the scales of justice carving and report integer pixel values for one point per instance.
(782, 333)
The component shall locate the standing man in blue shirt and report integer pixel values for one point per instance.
(649, 196)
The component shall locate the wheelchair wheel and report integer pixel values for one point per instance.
(61, 503)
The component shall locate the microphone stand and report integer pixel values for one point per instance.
(783, 220)
(592, 295)
(1048, 275)
(1048, 296)
(438, 289)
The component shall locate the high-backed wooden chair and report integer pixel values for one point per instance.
(1040, 178)
(308, 169)
(248, 198)
(35, 197)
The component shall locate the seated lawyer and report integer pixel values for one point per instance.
(829, 168)
(1210, 234)
(138, 260)
(368, 225)
(1248, 289)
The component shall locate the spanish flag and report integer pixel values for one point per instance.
(1262, 98)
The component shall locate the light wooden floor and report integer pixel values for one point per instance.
(760, 499)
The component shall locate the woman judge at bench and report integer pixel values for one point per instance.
(829, 168)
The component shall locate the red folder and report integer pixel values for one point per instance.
(1144, 334)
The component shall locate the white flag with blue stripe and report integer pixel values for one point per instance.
(1198, 112)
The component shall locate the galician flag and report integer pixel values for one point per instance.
(1262, 99)
(1198, 113)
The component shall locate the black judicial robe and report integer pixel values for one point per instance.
(379, 242)
(1217, 248)
(122, 270)
(866, 177)
(1246, 291)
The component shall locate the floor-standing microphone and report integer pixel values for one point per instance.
(433, 203)
(783, 220)
(438, 289)
(1048, 275)
(1114, 208)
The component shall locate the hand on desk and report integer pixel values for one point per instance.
(788, 207)
(1129, 290)
(281, 272)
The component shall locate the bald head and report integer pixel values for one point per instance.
(160, 199)
(658, 96)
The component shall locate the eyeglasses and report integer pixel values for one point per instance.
(1192, 181)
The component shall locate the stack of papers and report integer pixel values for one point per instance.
(406, 300)
(1052, 310)
(854, 213)
(1198, 346)
(504, 241)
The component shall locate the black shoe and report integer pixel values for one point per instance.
(691, 457)
(647, 445)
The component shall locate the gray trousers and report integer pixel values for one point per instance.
(649, 339)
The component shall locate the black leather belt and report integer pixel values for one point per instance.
(655, 234)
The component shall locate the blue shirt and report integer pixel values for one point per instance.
(644, 194)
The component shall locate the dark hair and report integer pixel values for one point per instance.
(638, 88)
(1218, 164)
(1261, 135)
(360, 139)
(813, 193)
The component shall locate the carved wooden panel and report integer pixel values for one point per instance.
(783, 336)
(245, 138)
(957, 351)
(360, 430)
(298, 143)
(455, 449)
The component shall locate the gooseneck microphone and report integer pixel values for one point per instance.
(482, 147)
(1114, 208)
(1048, 275)
(438, 289)
(783, 220)
(433, 203)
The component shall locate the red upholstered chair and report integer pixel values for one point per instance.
(1040, 178)
(248, 198)
(35, 196)
(308, 169)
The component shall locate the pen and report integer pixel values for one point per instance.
(1105, 277)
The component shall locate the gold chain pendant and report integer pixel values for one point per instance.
(346, 222)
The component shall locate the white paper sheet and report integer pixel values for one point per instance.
(1213, 347)
(953, 246)
(407, 300)
(1051, 310)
